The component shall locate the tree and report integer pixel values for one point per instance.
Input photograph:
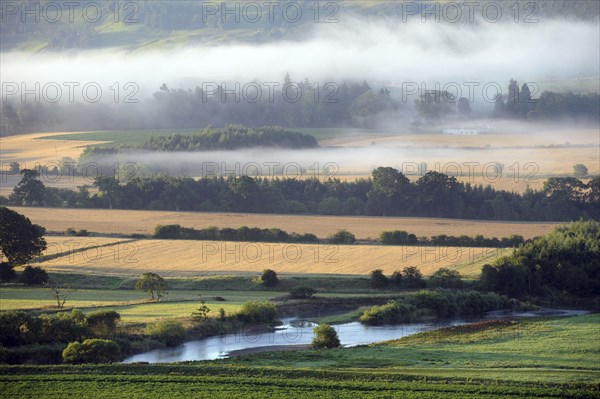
(512, 103)
(396, 278)
(20, 240)
(464, 107)
(269, 278)
(201, 314)
(446, 278)
(412, 277)
(34, 276)
(103, 323)
(434, 105)
(108, 186)
(30, 190)
(499, 107)
(7, 272)
(152, 284)
(325, 337)
(389, 191)
(342, 237)
(580, 170)
(92, 351)
(60, 292)
(378, 279)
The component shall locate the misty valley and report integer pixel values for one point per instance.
(330, 199)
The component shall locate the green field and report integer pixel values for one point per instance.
(133, 306)
(544, 358)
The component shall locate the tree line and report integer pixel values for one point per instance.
(230, 137)
(561, 265)
(387, 193)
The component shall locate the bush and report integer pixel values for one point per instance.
(378, 279)
(302, 293)
(342, 237)
(256, 312)
(390, 313)
(103, 323)
(269, 278)
(445, 278)
(62, 327)
(34, 276)
(170, 332)
(325, 337)
(7, 272)
(92, 351)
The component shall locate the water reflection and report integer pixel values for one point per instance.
(291, 332)
(295, 331)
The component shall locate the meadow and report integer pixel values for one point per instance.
(364, 227)
(541, 358)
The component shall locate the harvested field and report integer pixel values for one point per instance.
(128, 222)
(192, 258)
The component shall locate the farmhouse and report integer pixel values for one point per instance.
(464, 132)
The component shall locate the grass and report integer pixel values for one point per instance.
(364, 227)
(543, 358)
(134, 306)
(554, 346)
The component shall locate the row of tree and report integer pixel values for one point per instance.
(387, 193)
(401, 237)
(230, 137)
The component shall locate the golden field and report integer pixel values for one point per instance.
(364, 227)
(195, 258)
(29, 150)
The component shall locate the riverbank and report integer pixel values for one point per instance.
(262, 349)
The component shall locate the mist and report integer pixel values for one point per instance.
(379, 50)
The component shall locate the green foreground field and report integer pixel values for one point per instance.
(541, 358)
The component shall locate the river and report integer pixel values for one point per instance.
(296, 332)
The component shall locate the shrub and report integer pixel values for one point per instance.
(63, 327)
(378, 279)
(34, 276)
(269, 278)
(325, 337)
(103, 323)
(302, 293)
(7, 272)
(170, 332)
(342, 237)
(15, 328)
(92, 351)
(390, 313)
(257, 312)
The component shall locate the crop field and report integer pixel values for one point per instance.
(29, 150)
(189, 258)
(488, 365)
(364, 227)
